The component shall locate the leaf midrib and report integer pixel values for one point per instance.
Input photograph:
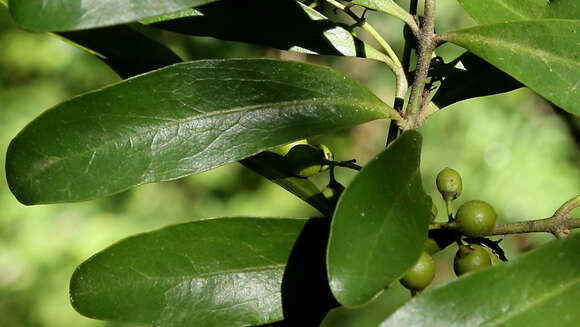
(247, 109)
(148, 279)
(511, 45)
(533, 303)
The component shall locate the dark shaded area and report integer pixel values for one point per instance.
(493, 245)
(479, 79)
(306, 296)
(125, 50)
(444, 237)
(281, 24)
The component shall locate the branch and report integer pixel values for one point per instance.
(559, 224)
(399, 103)
(426, 45)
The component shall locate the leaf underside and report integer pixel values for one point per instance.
(124, 49)
(283, 24)
(477, 79)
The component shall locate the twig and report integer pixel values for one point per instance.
(426, 45)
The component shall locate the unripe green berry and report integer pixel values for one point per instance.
(421, 274)
(326, 155)
(304, 160)
(430, 246)
(476, 218)
(469, 258)
(449, 184)
(284, 149)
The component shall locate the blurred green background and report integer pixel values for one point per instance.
(512, 151)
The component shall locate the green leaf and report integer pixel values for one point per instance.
(567, 9)
(477, 79)
(542, 54)
(177, 121)
(540, 288)
(212, 272)
(125, 50)
(387, 6)
(67, 15)
(272, 166)
(380, 224)
(282, 24)
(500, 11)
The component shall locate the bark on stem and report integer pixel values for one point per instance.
(426, 45)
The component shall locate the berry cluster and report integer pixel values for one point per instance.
(472, 222)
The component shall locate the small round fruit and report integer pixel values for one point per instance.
(476, 218)
(284, 149)
(430, 246)
(469, 258)
(326, 155)
(421, 274)
(304, 160)
(449, 184)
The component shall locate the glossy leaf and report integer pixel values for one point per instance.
(272, 166)
(282, 24)
(67, 15)
(500, 11)
(478, 78)
(540, 288)
(124, 49)
(177, 121)
(541, 54)
(212, 272)
(380, 224)
(386, 6)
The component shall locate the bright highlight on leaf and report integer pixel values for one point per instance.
(380, 224)
(177, 121)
